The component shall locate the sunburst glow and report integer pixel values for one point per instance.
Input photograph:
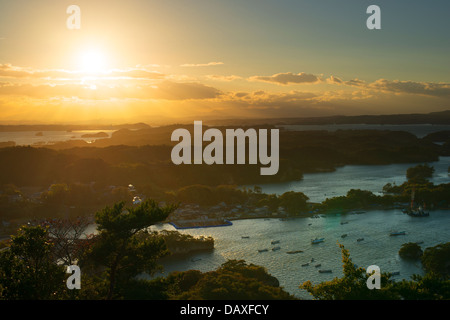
(92, 61)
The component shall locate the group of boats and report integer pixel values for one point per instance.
(276, 248)
(317, 266)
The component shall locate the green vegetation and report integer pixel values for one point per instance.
(425, 192)
(184, 243)
(28, 269)
(234, 280)
(112, 259)
(134, 156)
(419, 174)
(353, 286)
(437, 260)
(410, 250)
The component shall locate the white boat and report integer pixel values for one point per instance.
(317, 240)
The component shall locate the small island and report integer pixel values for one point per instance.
(95, 135)
(411, 251)
(178, 243)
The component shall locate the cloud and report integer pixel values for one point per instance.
(10, 71)
(166, 90)
(397, 86)
(411, 87)
(209, 64)
(135, 74)
(184, 91)
(223, 78)
(288, 78)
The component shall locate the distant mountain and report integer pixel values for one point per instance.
(65, 127)
(442, 117)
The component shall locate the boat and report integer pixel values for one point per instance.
(305, 264)
(397, 233)
(345, 222)
(317, 265)
(293, 252)
(360, 239)
(245, 237)
(395, 273)
(317, 240)
(276, 248)
(414, 211)
(325, 271)
(275, 241)
(263, 250)
(344, 235)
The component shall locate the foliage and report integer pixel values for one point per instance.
(293, 202)
(28, 269)
(428, 287)
(235, 280)
(175, 241)
(419, 173)
(124, 248)
(352, 286)
(410, 250)
(437, 260)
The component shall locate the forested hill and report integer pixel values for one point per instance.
(134, 161)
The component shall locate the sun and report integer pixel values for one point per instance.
(92, 61)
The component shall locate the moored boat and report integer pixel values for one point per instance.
(317, 240)
(325, 271)
(397, 233)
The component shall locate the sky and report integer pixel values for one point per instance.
(168, 61)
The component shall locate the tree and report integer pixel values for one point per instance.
(431, 286)
(437, 260)
(124, 248)
(235, 280)
(419, 174)
(293, 202)
(352, 286)
(410, 250)
(67, 240)
(28, 270)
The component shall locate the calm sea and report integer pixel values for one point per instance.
(25, 138)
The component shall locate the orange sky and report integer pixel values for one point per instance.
(171, 61)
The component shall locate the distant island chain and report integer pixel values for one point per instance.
(213, 153)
